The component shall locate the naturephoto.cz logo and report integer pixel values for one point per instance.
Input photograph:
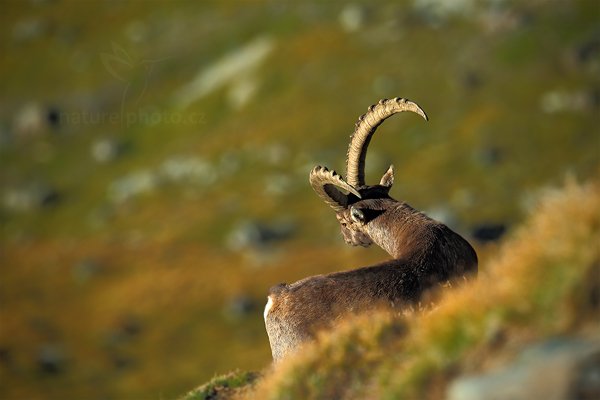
(142, 116)
(135, 76)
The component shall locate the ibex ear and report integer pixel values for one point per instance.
(357, 215)
(387, 180)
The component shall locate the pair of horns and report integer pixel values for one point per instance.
(330, 186)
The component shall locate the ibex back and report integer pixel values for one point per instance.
(425, 252)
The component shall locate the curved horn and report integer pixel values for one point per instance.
(364, 130)
(327, 185)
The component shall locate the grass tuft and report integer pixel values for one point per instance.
(223, 387)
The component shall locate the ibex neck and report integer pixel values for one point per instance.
(400, 231)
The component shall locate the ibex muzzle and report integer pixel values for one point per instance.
(425, 252)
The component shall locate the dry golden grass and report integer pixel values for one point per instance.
(544, 282)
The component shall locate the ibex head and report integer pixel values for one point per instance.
(352, 199)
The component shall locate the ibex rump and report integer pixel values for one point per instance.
(424, 251)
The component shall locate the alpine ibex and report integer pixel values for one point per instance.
(424, 251)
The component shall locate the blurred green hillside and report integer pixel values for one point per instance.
(154, 159)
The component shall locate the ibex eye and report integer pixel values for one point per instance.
(357, 215)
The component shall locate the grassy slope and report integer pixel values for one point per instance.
(161, 257)
(544, 282)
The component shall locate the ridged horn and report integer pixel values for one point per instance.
(327, 185)
(365, 128)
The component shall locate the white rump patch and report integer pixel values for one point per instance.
(268, 307)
